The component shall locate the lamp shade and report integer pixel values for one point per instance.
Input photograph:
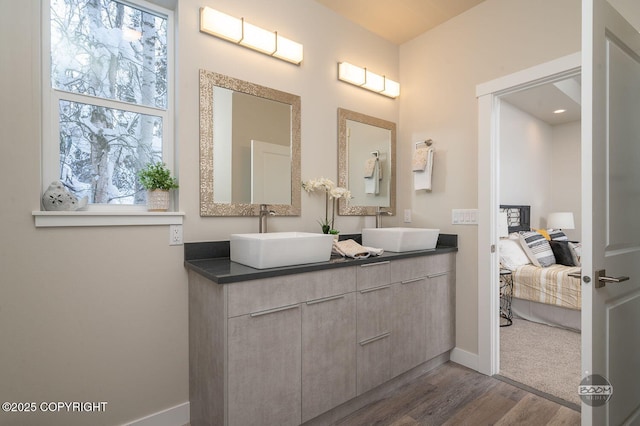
(560, 220)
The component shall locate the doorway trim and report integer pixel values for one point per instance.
(488, 95)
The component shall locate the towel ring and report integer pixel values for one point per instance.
(428, 142)
(376, 154)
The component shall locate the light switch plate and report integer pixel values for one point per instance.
(464, 216)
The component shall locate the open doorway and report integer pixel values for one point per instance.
(525, 155)
(540, 200)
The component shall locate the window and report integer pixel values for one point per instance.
(108, 94)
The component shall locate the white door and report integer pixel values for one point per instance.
(610, 206)
(270, 173)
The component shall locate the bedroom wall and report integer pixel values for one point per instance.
(526, 150)
(540, 166)
(565, 170)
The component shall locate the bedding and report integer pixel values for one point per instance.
(541, 294)
(551, 285)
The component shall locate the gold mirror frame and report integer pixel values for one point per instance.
(208, 206)
(344, 209)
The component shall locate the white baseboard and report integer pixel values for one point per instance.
(174, 416)
(462, 357)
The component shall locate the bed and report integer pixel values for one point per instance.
(548, 294)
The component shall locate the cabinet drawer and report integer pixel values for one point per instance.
(268, 293)
(417, 267)
(373, 275)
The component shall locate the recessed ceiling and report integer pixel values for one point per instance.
(541, 101)
(399, 20)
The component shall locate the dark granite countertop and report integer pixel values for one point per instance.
(211, 260)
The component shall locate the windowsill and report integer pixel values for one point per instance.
(44, 219)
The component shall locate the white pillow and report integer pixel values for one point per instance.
(511, 254)
(537, 248)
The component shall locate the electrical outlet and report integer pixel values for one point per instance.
(175, 235)
(407, 216)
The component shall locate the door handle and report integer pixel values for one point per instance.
(604, 280)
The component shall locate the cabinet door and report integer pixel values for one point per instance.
(328, 353)
(374, 324)
(441, 313)
(411, 309)
(264, 368)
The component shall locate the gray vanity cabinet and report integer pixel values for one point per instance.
(265, 345)
(328, 353)
(287, 349)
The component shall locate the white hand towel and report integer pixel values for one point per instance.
(422, 178)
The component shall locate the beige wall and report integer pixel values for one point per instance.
(101, 313)
(439, 71)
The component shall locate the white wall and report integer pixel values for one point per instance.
(540, 166)
(327, 39)
(100, 314)
(565, 168)
(439, 73)
(73, 327)
(526, 172)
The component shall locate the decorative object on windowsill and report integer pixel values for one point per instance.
(58, 198)
(331, 193)
(156, 179)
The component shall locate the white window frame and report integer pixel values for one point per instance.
(103, 214)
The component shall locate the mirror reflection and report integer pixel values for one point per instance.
(366, 162)
(249, 148)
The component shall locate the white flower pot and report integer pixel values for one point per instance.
(158, 200)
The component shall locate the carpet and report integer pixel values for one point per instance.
(542, 357)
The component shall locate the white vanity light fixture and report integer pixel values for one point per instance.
(239, 31)
(366, 79)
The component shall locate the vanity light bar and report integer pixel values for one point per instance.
(239, 31)
(366, 79)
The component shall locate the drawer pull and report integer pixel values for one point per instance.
(374, 264)
(374, 339)
(413, 280)
(325, 299)
(273, 311)
(439, 274)
(369, 290)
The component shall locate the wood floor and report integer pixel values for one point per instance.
(455, 395)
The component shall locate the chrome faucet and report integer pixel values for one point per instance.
(264, 213)
(379, 214)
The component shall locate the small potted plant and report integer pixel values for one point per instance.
(156, 179)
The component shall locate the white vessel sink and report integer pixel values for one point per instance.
(400, 239)
(271, 250)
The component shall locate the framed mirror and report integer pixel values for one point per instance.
(249, 148)
(366, 162)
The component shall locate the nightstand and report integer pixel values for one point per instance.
(506, 295)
